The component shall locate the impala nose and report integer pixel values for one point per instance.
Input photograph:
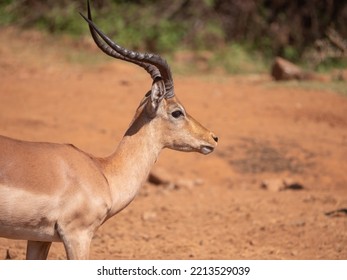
(215, 138)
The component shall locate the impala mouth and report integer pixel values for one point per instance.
(206, 149)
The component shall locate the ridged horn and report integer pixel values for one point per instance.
(154, 64)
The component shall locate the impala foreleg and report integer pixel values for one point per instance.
(76, 243)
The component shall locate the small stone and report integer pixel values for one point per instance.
(274, 185)
(185, 183)
(283, 69)
(290, 184)
(149, 216)
(277, 185)
(337, 213)
(198, 182)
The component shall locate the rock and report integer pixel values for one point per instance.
(290, 184)
(274, 185)
(277, 185)
(337, 213)
(160, 177)
(285, 70)
(189, 184)
(185, 183)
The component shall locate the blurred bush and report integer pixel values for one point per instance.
(271, 27)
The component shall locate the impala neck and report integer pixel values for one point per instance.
(128, 167)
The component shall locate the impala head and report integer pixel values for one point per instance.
(177, 129)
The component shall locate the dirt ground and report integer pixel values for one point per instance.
(53, 91)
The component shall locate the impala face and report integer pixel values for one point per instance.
(174, 127)
(184, 133)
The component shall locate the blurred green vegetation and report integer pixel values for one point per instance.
(333, 86)
(243, 35)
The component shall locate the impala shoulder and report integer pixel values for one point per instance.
(95, 162)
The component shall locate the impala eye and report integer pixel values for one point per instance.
(176, 114)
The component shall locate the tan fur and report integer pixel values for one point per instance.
(58, 193)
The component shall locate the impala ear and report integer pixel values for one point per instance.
(157, 94)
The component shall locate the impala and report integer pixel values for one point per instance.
(58, 193)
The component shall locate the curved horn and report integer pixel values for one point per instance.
(154, 64)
